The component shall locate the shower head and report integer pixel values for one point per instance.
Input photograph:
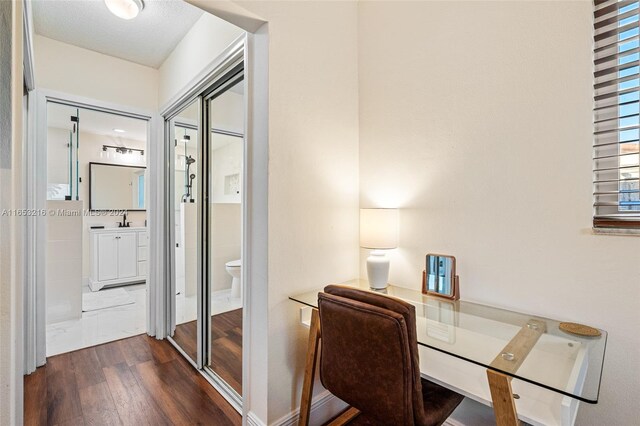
(190, 160)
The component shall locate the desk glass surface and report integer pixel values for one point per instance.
(558, 361)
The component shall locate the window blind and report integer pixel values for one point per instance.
(616, 149)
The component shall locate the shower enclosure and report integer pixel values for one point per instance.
(205, 142)
(63, 180)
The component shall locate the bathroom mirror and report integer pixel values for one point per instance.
(116, 187)
(439, 278)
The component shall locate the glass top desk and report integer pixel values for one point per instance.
(507, 344)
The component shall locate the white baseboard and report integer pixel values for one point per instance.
(324, 407)
(253, 420)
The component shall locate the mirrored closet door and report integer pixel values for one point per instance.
(206, 148)
(225, 112)
(184, 204)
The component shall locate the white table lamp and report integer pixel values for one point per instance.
(378, 231)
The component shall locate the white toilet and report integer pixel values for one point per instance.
(234, 269)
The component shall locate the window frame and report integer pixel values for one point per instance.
(604, 221)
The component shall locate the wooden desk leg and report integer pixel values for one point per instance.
(504, 406)
(310, 369)
(509, 360)
(346, 417)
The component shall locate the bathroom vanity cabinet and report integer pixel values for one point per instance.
(118, 256)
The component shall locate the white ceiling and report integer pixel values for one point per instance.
(98, 123)
(148, 39)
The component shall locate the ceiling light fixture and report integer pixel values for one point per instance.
(119, 131)
(125, 9)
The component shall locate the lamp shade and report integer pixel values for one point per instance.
(379, 228)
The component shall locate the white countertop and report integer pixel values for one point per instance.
(116, 229)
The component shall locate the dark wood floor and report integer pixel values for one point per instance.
(226, 345)
(135, 381)
(186, 336)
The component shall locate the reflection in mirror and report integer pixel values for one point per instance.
(225, 162)
(440, 277)
(441, 318)
(116, 187)
(186, 172)
(439, 274)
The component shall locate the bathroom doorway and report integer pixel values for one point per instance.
(205, 142)
(96, 242)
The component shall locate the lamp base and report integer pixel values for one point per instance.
(378, 269)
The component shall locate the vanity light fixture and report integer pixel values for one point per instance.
(122, 149)
(119, 131)
(125, 9)
(378, 231)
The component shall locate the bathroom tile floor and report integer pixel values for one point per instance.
(100, 326)
(221, 302)
(119, 322)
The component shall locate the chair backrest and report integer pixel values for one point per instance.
(369, 354)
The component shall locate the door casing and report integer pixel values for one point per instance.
(35, 306)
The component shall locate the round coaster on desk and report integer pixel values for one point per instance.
(579, 329)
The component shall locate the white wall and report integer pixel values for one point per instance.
(11, 227)
(476, 121)
(81, 72)
(228, 111)
(202, 44)
(57, 156)
(226, 222)
(313, 172)
(63, 271)
(225, 210)
(226, 168)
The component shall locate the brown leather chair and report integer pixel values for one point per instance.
(369, 359)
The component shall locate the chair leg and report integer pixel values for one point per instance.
(310, 369)
(346, 416)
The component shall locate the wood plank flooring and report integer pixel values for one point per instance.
(135, 381)
(226, 345)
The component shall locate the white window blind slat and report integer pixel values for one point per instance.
(616, 147)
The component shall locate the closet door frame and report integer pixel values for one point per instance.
(230, 79)
(227, 67)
